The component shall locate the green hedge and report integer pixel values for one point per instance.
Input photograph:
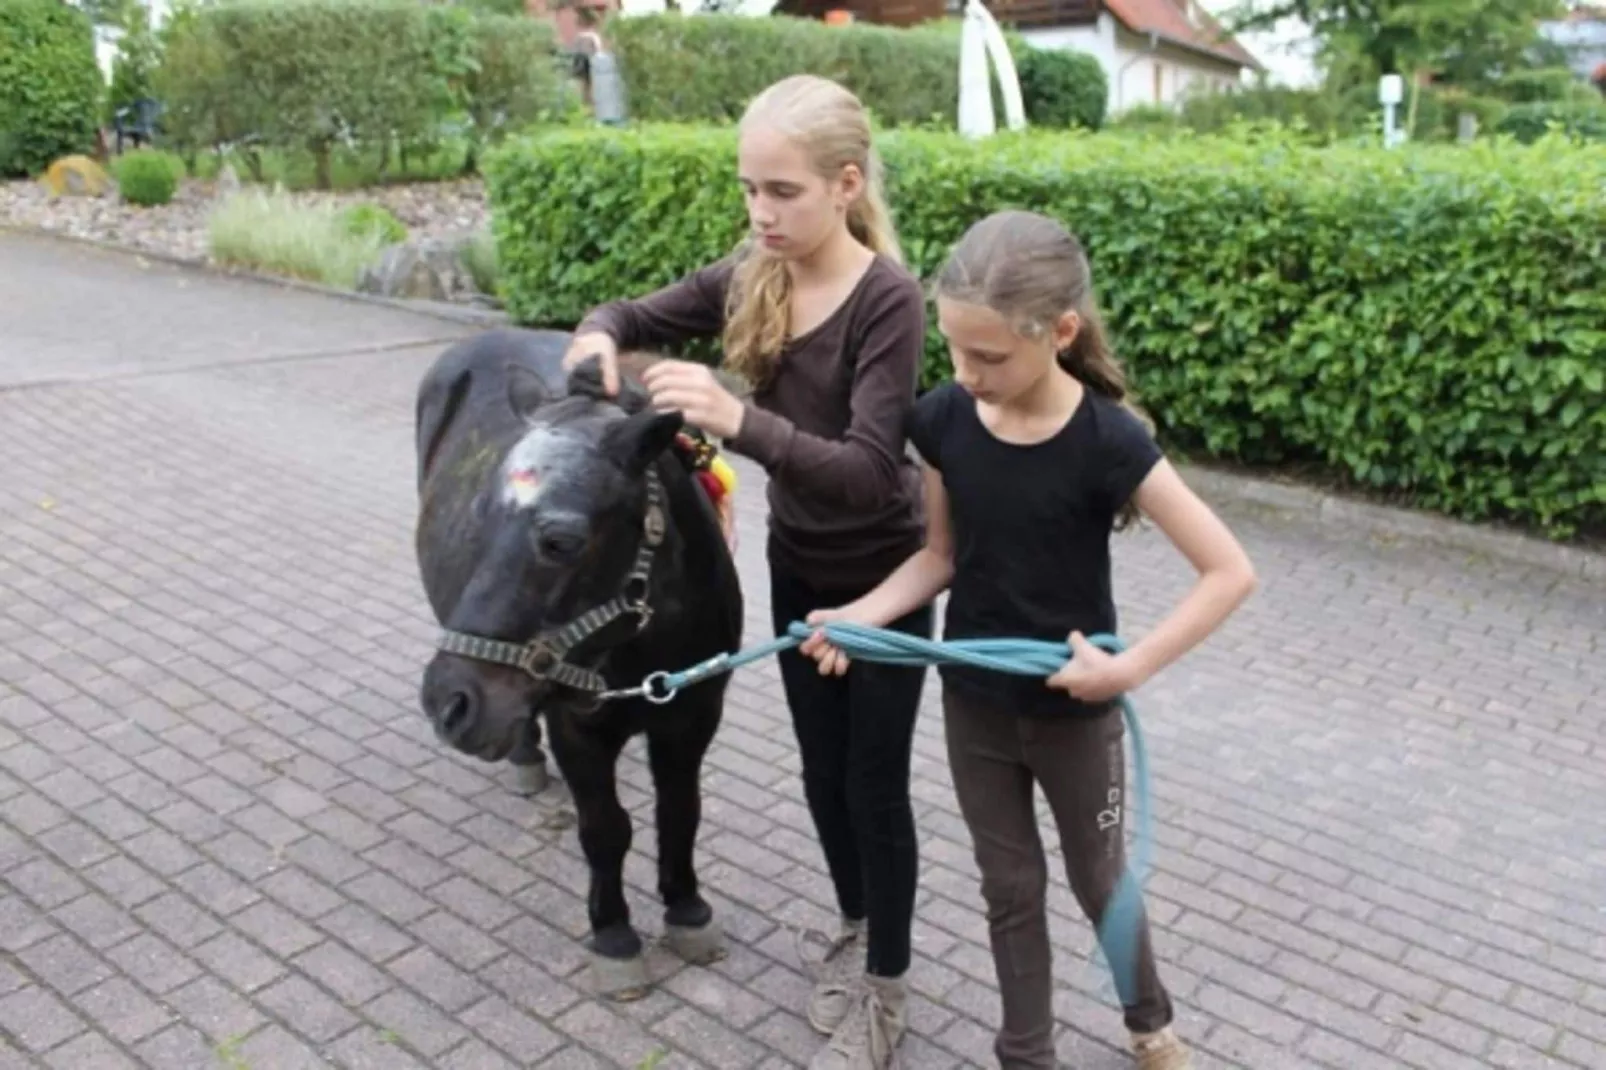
(1061, 88)
(1427, 322)
(50, 84)
(705, 68)
(313, 74)
(1582, 119)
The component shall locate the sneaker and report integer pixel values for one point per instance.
(870, 1032)
(1161, 1050)
(834, 973)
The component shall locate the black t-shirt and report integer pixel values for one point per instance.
(1031, 530)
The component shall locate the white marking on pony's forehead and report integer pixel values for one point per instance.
(534, 458)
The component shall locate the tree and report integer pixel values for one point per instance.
(138, 56)
(1465, 42)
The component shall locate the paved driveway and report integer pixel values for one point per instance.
(227, 839)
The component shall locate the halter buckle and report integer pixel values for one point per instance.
(654, 524)
(537, 659)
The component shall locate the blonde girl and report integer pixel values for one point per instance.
(817, 312)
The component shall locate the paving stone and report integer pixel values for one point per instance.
(224, 823)
(89, 1051)
(37, 1018)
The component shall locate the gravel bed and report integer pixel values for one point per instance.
(429, 209)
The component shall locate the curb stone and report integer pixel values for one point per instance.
(1323, 508)
(1329, 510)
(464, 314)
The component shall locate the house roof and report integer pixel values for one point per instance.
(1169, 21)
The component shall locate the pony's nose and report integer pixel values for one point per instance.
(456, 716)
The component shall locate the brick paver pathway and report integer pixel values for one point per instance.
(228, 839)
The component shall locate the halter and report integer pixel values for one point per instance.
(543, 656)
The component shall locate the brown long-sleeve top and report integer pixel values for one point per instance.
(828, 427)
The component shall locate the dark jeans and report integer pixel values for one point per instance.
(996, 759)
(854, 733)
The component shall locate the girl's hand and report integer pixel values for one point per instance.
(832, 661)
(692, 388)
(1093, 675)
(602, 346)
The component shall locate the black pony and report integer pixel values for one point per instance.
(568, 553)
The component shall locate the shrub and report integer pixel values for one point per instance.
(1585, 121)
(273, 233)
(148, 177)
(705, 68)
(501, 72)
(1061, 88)
(367, 219)
(1422, 321)
(316, 74)
(50, 84)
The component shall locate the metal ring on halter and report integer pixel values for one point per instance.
(649, 691)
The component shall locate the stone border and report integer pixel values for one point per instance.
(1321, 507)
(465, 314)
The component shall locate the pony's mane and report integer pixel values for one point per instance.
(585, 380)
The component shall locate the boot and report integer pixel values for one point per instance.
(834, 974)
(869, 1035)
(1161, 1050)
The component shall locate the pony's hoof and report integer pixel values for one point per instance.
(699, 945)
(620, 980)
(531, 779)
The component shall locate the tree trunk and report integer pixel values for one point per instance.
(324, 173)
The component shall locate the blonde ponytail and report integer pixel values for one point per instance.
(831, 127)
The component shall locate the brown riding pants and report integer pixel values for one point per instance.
(996, 758)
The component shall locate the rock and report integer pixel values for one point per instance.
(429, 270)
(77, 176)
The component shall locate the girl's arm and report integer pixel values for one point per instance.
(690, 307)
(1226, 579)
(861, 470)
(923, 576)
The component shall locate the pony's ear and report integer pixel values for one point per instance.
(636, 441)
(526, 391)
(585, 378)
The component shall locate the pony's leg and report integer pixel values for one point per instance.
(676, 744)
(587, 758)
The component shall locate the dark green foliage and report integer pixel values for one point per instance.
(705, 68)
(50, 84)
(1585, 120)
(1061, 88)
(1429, 322)
(147, 177)
(312, 74)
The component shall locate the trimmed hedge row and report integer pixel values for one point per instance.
(315, 74)
(50, 84)
(1426, 322)
(705, 68)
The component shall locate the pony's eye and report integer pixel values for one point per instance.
(559, 545)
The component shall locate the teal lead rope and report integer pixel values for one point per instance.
(1118, 930)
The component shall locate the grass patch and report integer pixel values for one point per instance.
(270, 232)
(479, 255)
